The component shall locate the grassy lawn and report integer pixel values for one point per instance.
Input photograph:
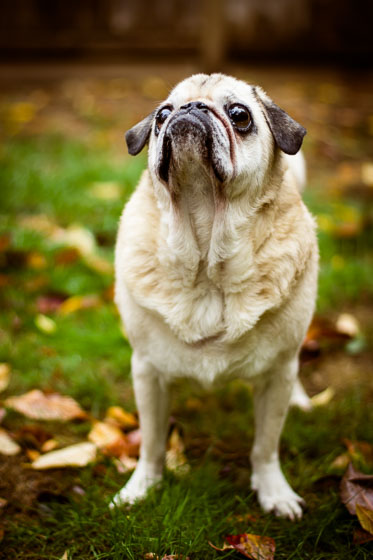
(61, 153)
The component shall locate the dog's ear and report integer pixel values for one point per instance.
(138, 135)
(287, 132)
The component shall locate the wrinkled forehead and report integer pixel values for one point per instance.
(216, 88)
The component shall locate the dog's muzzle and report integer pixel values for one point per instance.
(189, 130)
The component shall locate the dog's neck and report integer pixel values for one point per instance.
(206, 226)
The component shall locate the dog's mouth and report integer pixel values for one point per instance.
(190, 137)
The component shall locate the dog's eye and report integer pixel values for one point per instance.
(162, 115)
(240, 117)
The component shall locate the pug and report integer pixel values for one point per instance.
(216, 266)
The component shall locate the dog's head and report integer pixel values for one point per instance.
(216, 126)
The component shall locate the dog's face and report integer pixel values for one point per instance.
(217, 127)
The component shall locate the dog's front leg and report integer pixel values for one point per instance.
(152, 403)
(271, 402)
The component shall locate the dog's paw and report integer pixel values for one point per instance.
(136, 488)
(275, 494)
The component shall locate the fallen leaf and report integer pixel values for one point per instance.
(341, 462)
(356, 488)
(120, 417)
(125, 464)
(49, 445)
(78, 455)
(365, 516)
(32, 454)
(31, 435)
(4, 376)
(67, 256)
(65, 555)
(362, 537)
(99, 264)
(367, 174)
(175, 458)
(75, 303)
(36, 260)
(347, 324)
(254, 547)
(103, 434)
(7, 445)
(53, 406)
(45, 324)
(359, 450)
(323, 398)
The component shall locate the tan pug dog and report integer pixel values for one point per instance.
(216, 266)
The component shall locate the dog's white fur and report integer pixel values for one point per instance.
(212, 285)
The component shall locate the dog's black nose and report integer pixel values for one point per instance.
(195, 105)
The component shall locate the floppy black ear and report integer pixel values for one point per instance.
(138, 135)
(288, 134)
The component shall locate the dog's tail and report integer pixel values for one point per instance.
(297, 165)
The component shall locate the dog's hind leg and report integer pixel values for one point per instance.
(271, 401)
(152, 401)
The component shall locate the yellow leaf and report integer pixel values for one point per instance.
(121, 417)
(323, 398)
(99, 264)
(4, 376)
(75, 303)
(365, 517)
(45, 324)
(367, 174)
(78, 455)
(103, 434)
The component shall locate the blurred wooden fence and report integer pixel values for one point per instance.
(212, 29)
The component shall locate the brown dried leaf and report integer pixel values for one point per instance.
(3, 503)
(365, 516)
(254, 547)
(31, 435)
(356, 488)
(36, 404)
(78, 455)
(362, 537)
(7, 445)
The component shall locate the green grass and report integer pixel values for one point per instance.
(88, 358)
